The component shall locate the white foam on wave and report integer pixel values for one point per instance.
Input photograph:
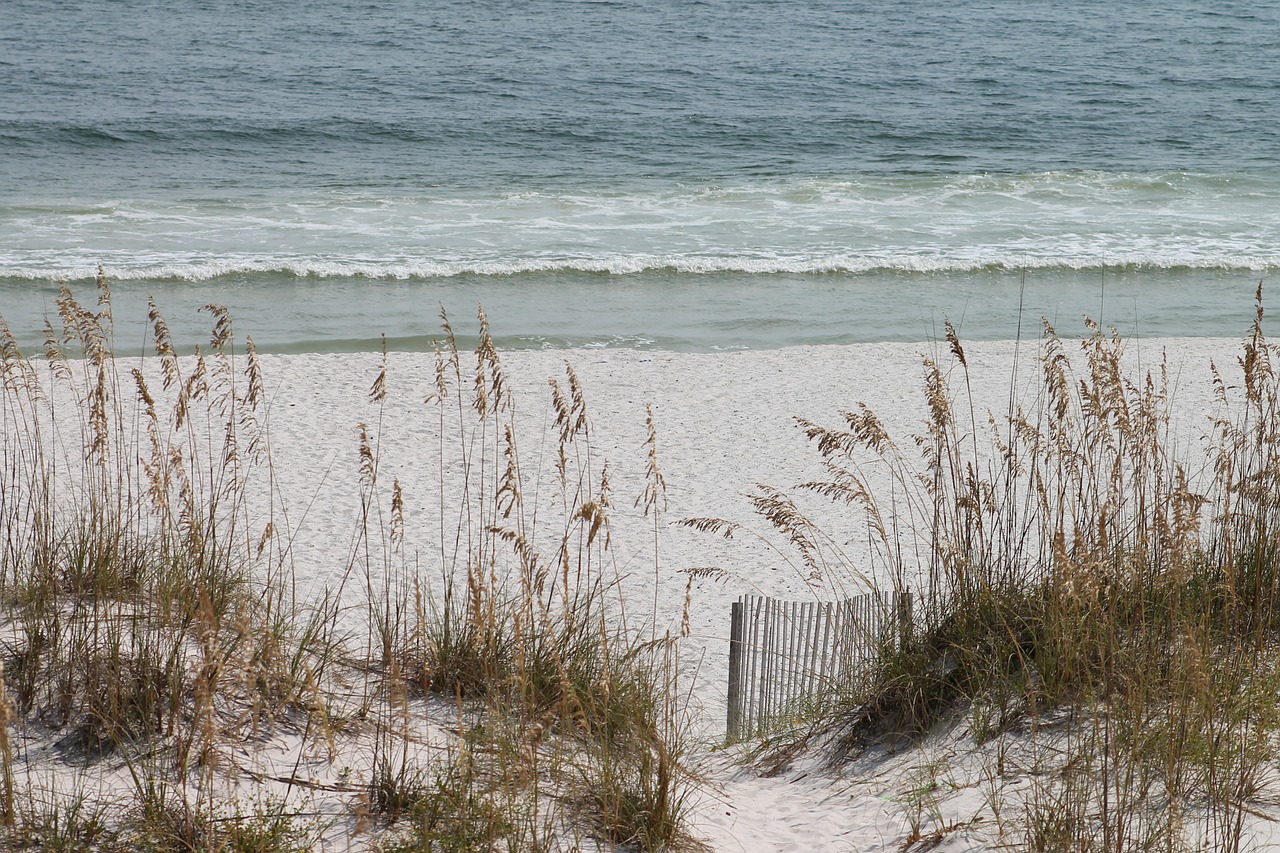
(859, 224)
(629, 265)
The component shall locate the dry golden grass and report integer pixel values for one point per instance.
(1079, 577)
(149, 618)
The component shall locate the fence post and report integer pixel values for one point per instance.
(904, 617)
(734, 722)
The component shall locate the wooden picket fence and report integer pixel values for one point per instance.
(783, 652)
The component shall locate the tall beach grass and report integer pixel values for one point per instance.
(1089, 583)
(153, 635)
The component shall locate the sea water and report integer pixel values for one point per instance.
(669, 173)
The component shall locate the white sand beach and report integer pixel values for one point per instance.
(725, 422)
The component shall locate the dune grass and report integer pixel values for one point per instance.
(151, 631)
(1087, 580)
(530, 641)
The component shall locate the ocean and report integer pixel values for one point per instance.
(668, 174)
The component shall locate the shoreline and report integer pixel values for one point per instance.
(665, 311)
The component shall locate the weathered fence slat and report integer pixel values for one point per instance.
(783, 653)
(735, 667)
(757, 668)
